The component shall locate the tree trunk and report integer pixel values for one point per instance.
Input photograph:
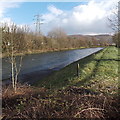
(13, 79)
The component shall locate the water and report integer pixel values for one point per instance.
(35, 66)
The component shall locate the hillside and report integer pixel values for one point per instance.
(101, 39)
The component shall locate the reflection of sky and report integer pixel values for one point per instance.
(52, 60)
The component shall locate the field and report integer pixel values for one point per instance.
(93, 93)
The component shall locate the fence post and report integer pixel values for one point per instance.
(78, 66)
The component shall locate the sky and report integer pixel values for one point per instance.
(74, 17)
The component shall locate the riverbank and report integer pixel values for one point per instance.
(3, 55)
(29, 52)
(98, 72)
(64, 94)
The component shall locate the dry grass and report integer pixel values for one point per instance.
(8, 92)
(72, 102)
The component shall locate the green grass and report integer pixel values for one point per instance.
(98, 72)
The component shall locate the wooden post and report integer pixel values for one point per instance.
(78, 66)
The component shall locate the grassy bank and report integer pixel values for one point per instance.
(92, 94)
(98, 72)
(2, 55)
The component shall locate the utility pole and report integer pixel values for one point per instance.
(38, 22)
(78, 66)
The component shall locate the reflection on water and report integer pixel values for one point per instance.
(47, 61)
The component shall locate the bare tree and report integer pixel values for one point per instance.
(115, 24)
(59, 36)
(9, 38)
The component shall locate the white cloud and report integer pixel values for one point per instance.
(4, 8)
(91, 18)
(89, 12)
(53, 14)
(54, 10)
(6, 20)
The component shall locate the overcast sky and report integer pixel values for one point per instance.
(80, 17)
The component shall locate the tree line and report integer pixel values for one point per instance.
(23, 39)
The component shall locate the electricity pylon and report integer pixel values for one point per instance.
(38, 22)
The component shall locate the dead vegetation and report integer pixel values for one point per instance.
(72, 102)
